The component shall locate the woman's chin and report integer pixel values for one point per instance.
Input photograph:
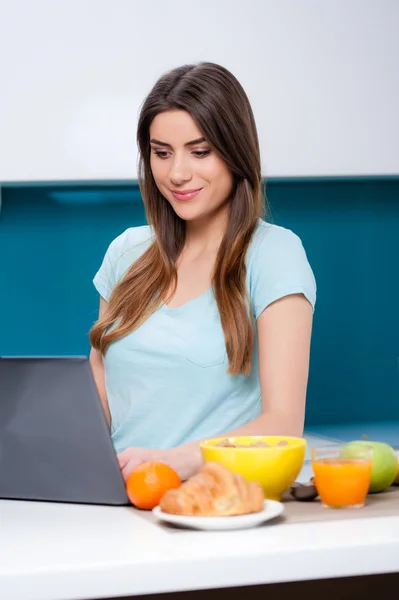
(189, 213)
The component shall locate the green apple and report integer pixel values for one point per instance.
(385, 464)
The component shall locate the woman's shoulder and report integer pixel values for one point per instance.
(128, 247)
(277, 265)
(131, 243)
(122, 252)
(267, 237)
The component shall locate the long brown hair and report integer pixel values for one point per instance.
(219, 106)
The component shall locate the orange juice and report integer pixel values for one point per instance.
(342, 482)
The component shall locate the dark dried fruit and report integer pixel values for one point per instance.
(304, 492)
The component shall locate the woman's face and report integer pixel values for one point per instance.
(186, 169)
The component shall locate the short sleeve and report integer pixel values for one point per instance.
(122, 252)
(279, 267)
(104, 279)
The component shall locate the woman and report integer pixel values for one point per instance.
(206, 315)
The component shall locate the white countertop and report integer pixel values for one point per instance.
(64, 552)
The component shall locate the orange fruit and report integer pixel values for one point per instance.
(148, 482)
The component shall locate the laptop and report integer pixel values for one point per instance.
(55, 444)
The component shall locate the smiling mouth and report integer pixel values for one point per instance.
(186, 194)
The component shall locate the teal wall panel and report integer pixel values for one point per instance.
(52, 240)
(50, 249)
(350, 230)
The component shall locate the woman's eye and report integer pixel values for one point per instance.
(196, 153)
(201, 153)
(161, 153)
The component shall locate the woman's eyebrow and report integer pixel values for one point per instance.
(192, 143)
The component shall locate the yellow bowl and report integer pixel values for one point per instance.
(275, 467)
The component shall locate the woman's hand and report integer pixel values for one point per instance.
(185, 460)
(130, 458)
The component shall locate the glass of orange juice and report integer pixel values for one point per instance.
(342, 474)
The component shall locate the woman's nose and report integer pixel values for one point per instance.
(179, 172)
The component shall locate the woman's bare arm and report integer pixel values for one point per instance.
(97, 367)
(284, 335)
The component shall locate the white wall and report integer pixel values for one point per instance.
(323, 78)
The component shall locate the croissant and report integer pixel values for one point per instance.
(214, 491)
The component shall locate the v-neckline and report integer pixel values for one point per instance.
(188, 303)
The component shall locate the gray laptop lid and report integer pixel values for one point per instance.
(54, 440)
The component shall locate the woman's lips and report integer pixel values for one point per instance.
(186, 194)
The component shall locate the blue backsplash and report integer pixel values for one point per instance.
(53, 239)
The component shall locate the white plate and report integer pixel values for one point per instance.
(271, 510)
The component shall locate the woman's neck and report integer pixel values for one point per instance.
(206, 234)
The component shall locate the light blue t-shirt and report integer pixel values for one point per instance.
(167, 381)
